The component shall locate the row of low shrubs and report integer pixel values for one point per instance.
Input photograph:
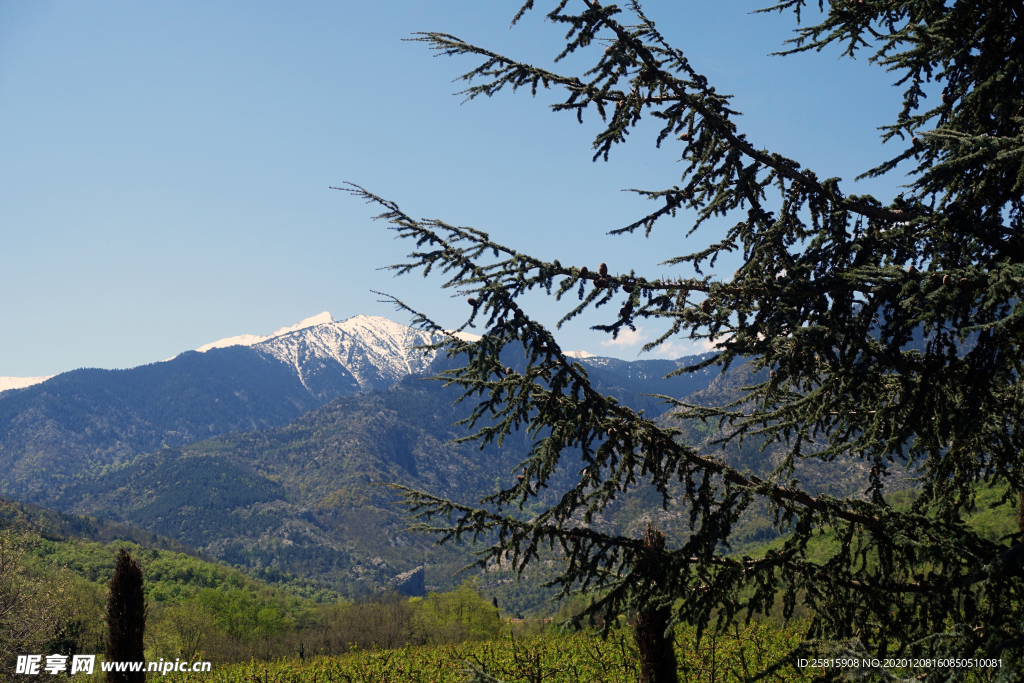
(549, 657)
(230, 626)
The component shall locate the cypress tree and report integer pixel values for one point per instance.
(126, 618)
(889, 332)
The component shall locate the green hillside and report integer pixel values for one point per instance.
(197, 608)
(200, 608)
(203, 610)
(992, 516)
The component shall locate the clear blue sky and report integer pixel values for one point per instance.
(164, 167)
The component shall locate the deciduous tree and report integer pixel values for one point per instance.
(33, 606)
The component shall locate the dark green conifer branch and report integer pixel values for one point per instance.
(887, 336)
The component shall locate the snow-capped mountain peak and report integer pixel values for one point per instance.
(376, 351)
(313, 321)
(250, 339)
(361, 353)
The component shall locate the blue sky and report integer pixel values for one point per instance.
(164, 167)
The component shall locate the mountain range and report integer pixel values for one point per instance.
(263, 451)
(86, 419)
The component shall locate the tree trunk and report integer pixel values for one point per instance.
(657, 651)
(657, 648)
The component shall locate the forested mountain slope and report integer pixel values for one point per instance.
(79, 422)
(304, 497)
(306, 423)
(84, 420)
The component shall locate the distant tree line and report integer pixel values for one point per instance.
(211, 612)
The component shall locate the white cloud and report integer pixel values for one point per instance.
(627, 338)
(671, 348)
(676, 348)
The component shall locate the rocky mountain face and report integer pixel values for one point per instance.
(334, 358)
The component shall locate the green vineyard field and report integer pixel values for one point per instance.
(545, 658)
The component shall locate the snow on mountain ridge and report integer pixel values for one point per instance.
(360, 353)
(251, 339)
(20, 382)
(377, 351)
(464, 336)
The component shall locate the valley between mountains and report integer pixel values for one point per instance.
(267, 452)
